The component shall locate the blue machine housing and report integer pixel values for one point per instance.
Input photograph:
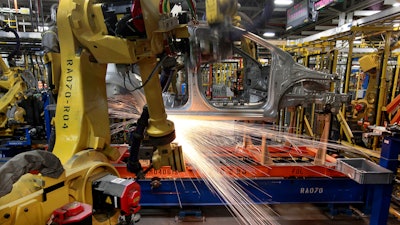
(195, 192)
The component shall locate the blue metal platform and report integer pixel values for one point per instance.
(189, 192)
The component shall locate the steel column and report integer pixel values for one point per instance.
(382, 86)
(347, 78)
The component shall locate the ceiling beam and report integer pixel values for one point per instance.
(309, 32)
(319, 27)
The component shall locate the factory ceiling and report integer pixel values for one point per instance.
(327, 17)
(270, 17)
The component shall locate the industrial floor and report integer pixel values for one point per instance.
(287, 214)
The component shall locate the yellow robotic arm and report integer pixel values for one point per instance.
(87, 45)
(91, 35)
(15, 87)
(220, 10)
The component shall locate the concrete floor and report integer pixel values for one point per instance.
(287, 214)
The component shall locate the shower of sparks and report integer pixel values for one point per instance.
(215, 149)
(208, 145)
(124, 110)
(202, 141)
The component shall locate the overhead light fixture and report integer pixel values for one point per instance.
(283, 2)
(365, 12)
(269, 34)
(394, 3)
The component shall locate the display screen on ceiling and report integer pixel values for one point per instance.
(323, 3)
(297, 15)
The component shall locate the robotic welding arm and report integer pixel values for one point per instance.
(92, 35)
(87, 44)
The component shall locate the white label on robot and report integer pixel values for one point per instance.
(312, 190)
(67, 94)
(118, 180)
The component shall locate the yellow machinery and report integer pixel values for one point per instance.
(21, 106)
(92, 34)
(364, 108)
(15, 87)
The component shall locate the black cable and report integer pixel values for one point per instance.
(16, 50)
(43, 73)
(33, 65)
(155, 69)
(136, 137)
(40, 71)
(168, 82)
